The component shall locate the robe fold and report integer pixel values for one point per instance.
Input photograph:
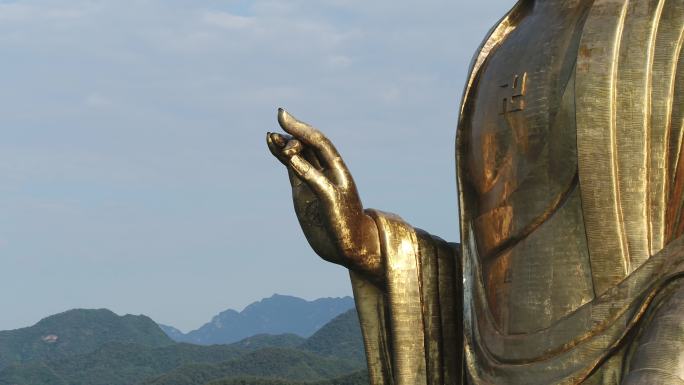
(412, 327)
(431, 322)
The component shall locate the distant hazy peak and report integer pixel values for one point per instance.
(277, 314)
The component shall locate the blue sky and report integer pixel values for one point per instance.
(133, 170)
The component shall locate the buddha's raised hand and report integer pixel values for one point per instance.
(325, 198)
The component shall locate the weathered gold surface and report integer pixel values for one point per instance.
(571, 190)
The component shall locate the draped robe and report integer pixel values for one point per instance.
(432, 322)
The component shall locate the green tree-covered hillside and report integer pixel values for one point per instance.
(101, 348)
(76, 332)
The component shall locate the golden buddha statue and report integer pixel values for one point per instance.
(571, 191)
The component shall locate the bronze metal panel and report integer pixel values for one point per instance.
(400, 251)
(596, 142)
(370, 306)
(632, 124)
(429, 288)
(668, 45)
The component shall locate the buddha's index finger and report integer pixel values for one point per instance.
(315, 139)
(306, 133)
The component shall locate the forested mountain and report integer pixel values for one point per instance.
(356, 378)
(115, 364)
(138, 356)
(281, 363)
(334, 350)
(278, 314)
(340, 338)
(261, 341)
(76, 332)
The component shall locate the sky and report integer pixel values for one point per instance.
(134, 173)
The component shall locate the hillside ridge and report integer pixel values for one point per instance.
(130, 353)
(278, 314)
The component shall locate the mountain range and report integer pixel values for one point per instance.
(98, 347)
(277, 314)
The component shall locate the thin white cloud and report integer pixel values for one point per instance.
(227, 20)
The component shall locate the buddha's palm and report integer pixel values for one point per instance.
(325, 198)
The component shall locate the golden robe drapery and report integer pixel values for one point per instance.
(431, 323)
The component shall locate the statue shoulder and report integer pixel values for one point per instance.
(494, 37)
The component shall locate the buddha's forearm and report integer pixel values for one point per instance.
(367, 260)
